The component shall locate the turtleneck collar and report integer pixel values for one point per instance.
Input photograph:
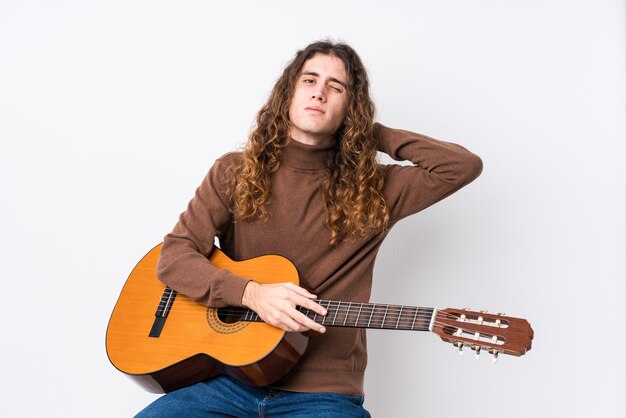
(305, 156)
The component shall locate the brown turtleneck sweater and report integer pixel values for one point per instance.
(336, 360)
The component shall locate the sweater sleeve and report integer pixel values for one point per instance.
(183, 264)
(439, 169)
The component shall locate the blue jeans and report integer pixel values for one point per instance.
(224, 397)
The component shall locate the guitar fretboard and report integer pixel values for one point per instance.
(364, 315)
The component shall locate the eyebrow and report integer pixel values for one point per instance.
(336, 80)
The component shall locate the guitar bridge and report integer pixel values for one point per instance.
(165, 305)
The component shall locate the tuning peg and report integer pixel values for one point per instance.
(459, 344)
(495, 354)
(477, 349)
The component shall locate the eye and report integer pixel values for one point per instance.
(308, 81)
(336, 88)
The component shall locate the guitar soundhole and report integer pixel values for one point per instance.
(226, 320)
(230, 315)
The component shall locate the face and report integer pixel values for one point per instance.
(320, 100)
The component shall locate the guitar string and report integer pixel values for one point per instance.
(418, 316)
(370, 309)
(341, 308)
(367, 309)
(405, 311)
(373, 317)
(422, 316)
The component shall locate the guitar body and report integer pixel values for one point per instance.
(192, 342)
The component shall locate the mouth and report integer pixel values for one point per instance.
(314, 109)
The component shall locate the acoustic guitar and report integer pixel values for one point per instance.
(165, 341)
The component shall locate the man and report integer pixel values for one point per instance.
(308, 187)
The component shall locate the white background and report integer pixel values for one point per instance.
(111, 112)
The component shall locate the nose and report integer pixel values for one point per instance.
(319, 94)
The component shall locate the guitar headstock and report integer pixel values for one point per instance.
(496, 333)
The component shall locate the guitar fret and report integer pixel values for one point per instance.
(356, 323)
(315, 319)
(414, 318)
(382, 324)
(371, 314)
(399, 316)
(327, 309)
(347, 313)
(336, 312)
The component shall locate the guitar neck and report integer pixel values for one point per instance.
(366, 315)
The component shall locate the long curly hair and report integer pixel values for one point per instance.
(353, 186)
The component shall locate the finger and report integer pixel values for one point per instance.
(306, 299)
(293, 320)
(282, 318)
(291, 325)
(309, 323)
(313, 306)
(301, 291)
